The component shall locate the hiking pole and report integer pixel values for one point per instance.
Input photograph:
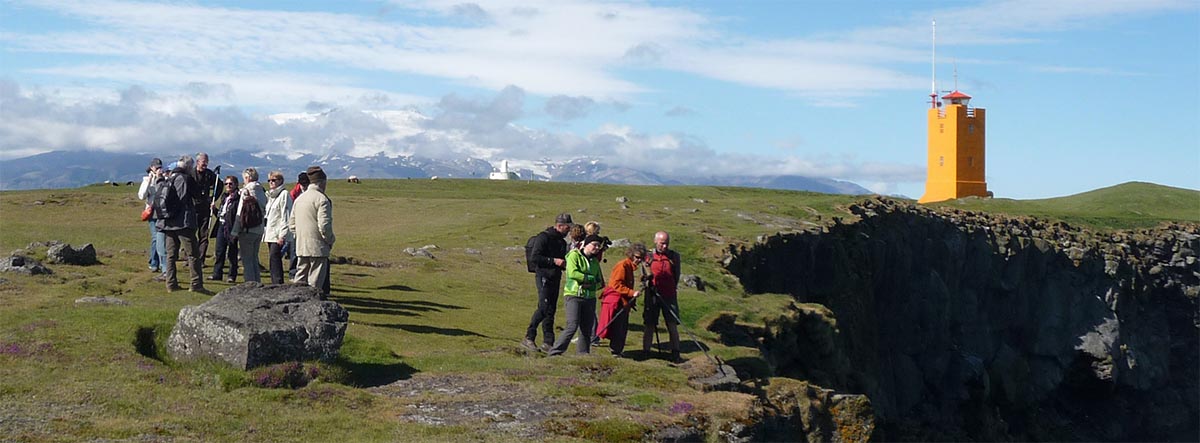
(647, 288)
(613, 319)
(216, 195)
(679, 324)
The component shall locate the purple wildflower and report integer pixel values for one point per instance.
(681, 407)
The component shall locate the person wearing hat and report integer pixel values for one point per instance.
(158, 249)
(548, 255)
(584, 281)
(311, 223)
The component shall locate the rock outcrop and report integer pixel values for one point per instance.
(252, 325)
(969, 326)
(65, 254)
(23, 265)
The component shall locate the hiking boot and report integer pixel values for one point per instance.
(174, 288)
(675, 357)
(230, 280)
(201, 290)
(529, 344)
(214, 278)
(160, 277)
(545, 347)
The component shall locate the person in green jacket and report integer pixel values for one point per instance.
(584, 282)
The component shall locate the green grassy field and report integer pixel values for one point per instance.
(78, 372)
(1124, 206)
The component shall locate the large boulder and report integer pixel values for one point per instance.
(252, 325)
(65, 254)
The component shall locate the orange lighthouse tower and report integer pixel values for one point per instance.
(956, 144)
(956, 150)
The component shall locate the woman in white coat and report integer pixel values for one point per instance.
(279, 209)
(158, 243)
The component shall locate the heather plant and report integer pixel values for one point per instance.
(290, 375)
(681, 407)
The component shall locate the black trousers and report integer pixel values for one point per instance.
(547, 288)
(275, 258)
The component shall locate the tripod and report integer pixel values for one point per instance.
(679, 324)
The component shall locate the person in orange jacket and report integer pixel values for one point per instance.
(619, 297)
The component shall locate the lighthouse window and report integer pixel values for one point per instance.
(970, 161)
(942, 161)
(971, 129)
(941, 128)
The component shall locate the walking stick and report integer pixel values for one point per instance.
(613, 319)
(216, 195)
(679, 323)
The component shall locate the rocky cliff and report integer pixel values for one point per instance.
(969, 326)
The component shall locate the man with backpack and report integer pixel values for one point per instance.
(174, 204)
(545, 257)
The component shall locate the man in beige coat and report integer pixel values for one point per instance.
(312, 224)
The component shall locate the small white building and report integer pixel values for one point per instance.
(503, 173)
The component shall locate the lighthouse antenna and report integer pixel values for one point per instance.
(956, 74)
(933, 102)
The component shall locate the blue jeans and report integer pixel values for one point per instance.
(158, 249)
(226, 249)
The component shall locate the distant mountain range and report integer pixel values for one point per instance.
(68, 169)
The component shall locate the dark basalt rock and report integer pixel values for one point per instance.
(24, 265)
(971, 326)
(65, 254)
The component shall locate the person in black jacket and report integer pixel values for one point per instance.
(205, 206)
(548, 254)
(180, 226)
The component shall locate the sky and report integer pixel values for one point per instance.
(1080, 94)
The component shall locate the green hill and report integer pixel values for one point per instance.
(77, 372)
(1127, 205)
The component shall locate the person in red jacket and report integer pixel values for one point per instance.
(289, 247)
(619, 297)
(301, 184)
(664, 269)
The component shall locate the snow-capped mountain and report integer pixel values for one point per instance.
(64, 169)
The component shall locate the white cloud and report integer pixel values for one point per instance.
(458, 127)
(573, 48)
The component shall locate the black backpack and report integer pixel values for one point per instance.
(252, 216)
(166, 200)
(529, 253)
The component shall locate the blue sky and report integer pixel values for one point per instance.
(1080, 94)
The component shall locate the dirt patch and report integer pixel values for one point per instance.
(487, 403)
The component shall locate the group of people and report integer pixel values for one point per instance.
(187, 203)
(567, 255)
